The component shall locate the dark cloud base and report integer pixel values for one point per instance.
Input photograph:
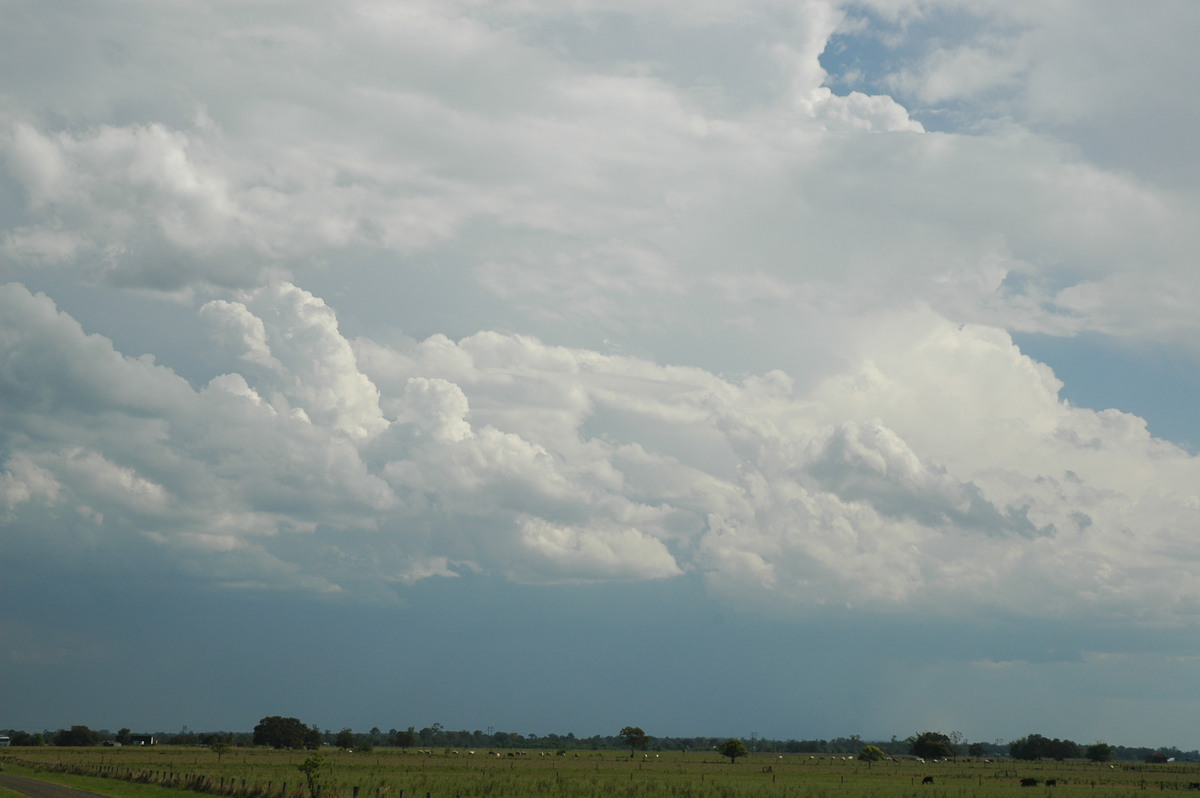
(477, 652)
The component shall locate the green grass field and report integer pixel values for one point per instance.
(164, 771)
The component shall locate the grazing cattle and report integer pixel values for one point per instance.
(927, 780)
(1051, 782)
(1027, 782)
(1194, 785)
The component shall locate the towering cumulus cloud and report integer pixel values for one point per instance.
(943, 471)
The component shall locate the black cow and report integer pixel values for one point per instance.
(1029, 782)
(927, 780)
(1051, 782)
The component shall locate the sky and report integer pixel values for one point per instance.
(801, 369)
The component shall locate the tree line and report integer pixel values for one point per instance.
(284, 732)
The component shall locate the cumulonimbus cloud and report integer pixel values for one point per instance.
(897, 451)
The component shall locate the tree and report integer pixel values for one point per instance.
(25, 738)
(1027, 748)
(404, 739)
(344, 739)
(977, 749)
(1035, 746)
(311, 768)
(1099, 752)
(634, 738)
(77, 735)
(931, 745)
(871, 753)
(279, 732)
(220, 748)
(733, 748)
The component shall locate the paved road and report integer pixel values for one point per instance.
(41, 789)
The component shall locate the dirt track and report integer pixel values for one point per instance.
(41, 789)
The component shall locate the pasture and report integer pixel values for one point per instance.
(394, 773)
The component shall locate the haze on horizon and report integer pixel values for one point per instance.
(799, 368)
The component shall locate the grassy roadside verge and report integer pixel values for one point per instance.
(116, 788)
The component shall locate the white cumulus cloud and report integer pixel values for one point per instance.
(938, 470)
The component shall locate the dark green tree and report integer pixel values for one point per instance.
(1027, 748)
(1099, 752)
(404, 739)
(25, 738)
(344, 739)
(931, 745)
(733, 748)
(280, 732)
(1035, 746)
(634, 737)
(77, 735)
